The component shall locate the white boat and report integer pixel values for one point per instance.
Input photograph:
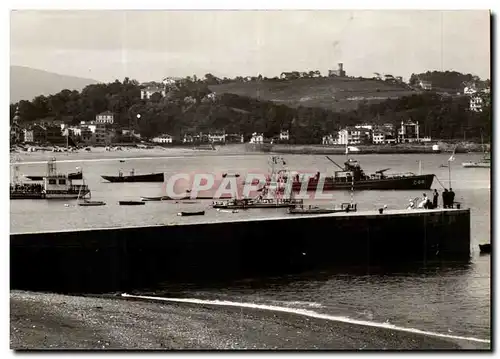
(484, 163)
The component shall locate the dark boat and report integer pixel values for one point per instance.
(345, 207)
(183, 198)
(230, 175)
(131, 203)
(153, 177)
(353, 177)
(485, 248)
(185, 214)
(92, 203)
(163, 198)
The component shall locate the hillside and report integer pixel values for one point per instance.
(329, 93)
(27, 83)
(189, 108)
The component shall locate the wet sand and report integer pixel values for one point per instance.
(52, 321)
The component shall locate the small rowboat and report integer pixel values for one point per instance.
(131, 203)
(230, 175)
(163, 198)
(185, 214)
(227, 211)
(345, 207)
(92, 203)
(149, 199)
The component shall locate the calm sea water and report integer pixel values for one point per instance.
(450, 299)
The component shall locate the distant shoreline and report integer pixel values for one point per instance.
(130, 153)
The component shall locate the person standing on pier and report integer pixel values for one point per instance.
(435, 199)
(452, 198)
(446, 197)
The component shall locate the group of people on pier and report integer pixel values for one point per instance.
(448, 199)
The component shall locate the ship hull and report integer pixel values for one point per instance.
(420, 182)
(48, 195)
(64, 195)
(154, 177)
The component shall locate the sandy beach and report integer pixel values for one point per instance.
(53, 321)
(100, 153)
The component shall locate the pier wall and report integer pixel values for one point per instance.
(122, 259)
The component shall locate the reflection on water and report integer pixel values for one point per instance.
(445, 297)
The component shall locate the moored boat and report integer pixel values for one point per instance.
(345, 207)
(55, 186)
(227, 211)
(352, 176)
(485, 162)
(195, 213)
(151, 199)
(131, 203)
(163, 198)
(247, 203)
(152, 177)
(87, 203)
(224, 175)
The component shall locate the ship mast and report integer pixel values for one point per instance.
(51, 167)
(274, 182)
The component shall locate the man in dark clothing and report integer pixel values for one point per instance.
(435, 199)
(452, 198)
(445, 198)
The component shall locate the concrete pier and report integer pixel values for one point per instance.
(122, 259)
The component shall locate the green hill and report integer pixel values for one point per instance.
(333, 93)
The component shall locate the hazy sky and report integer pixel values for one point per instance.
(149, 45)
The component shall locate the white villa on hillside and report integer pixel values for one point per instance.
(165, 138)
(257, 138)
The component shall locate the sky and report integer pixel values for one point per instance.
(150, 45)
